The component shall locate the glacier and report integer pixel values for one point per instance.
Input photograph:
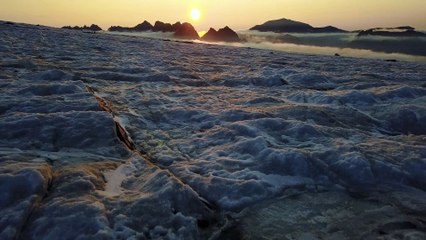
(122, 137)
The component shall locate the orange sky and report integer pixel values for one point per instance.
(238, 14)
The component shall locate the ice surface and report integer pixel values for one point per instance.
(169, 140)
(330, 216)
(22, 187)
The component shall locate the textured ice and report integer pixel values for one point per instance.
(332, 216)
(106, 136)
(22, 188)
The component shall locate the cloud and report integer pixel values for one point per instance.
(338, 41)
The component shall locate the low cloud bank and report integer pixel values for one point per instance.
(344, 44)
(415, 46)
(147, 34)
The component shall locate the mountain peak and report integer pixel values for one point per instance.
(291, 26)
(283, 25)
(225, 34)
(186, 30)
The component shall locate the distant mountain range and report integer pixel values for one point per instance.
(405, 31)
(92, 27)
(146, 26)
(290, 26)
(181, 30)
(403, 39)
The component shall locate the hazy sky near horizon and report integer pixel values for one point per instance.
(238, 14)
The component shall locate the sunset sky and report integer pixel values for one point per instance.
(238, 14)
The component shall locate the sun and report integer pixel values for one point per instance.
(195, 14)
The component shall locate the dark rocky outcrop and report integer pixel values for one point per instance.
(225, 34)
(119, 29)
(328, 29)
(92, 27)
(405, 28)
(405, 31)
(290, 26)
(283, 25)
(402, 39)
(176, 26)
(210, 35)
(95, 27)
(162, 27)
(187, 31)
(142, 27)
(145, 26)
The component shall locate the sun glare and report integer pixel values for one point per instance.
(202, 33)
(195, 14)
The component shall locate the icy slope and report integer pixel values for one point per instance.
(156, 139)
